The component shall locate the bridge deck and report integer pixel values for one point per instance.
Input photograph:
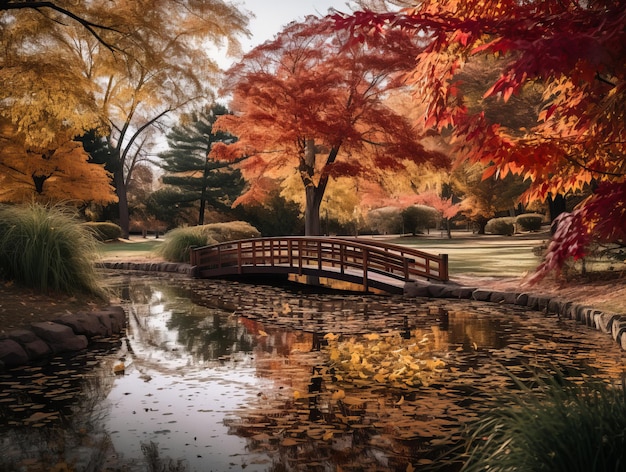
(368, 263)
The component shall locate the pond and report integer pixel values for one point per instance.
(215, 375)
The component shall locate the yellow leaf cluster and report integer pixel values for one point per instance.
(387, 359)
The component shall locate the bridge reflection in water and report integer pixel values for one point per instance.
(366, 262)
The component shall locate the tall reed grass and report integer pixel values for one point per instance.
(45, 247)
(179, 241)
(561, 427)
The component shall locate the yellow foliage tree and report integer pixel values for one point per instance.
(120, 67)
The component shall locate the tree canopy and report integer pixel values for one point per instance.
(198, 179)
(305, 103)
(573, 52)
(119, 67)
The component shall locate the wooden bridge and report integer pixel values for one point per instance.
(369, 263)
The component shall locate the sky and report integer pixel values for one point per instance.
(272, 15)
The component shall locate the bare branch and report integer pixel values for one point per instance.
(39, 6)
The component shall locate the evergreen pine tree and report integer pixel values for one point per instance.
(194, 180)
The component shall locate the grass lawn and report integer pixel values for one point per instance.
(139, 247)
(482, 255)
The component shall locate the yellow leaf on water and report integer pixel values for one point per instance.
(296, 394)
(262, 333)
(339, 394)
(380, 378)
(328, 435)
(401, 401)
(289, 442)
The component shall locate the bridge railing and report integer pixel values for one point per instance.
(321, 254)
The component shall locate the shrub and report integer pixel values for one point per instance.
(104, 231)
(47, 248)
(178, 242)
(504, 226)
(230, 231)
(561, 427)
(417, 217)
(530, 221)
(386, 220)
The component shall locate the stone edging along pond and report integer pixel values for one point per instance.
(74, 331)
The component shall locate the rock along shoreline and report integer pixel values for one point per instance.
(74, 332)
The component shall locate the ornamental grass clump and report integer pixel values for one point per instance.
(179, 241)
(560, 428)
(48, 249)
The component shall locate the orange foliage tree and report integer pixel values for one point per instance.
(304, 103)
(56, 170)
(574, 51)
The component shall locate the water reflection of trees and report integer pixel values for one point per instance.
(211, 337)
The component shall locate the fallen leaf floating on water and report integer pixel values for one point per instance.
(289, 442)
(385, 359)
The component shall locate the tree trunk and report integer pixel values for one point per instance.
(481, 224)
(313, 193)
(203, 196)
(120, 190)
(556, 205)
(312, 226)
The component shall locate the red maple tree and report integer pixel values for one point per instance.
(307, 103)
(574, 52)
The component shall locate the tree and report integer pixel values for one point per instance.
(444, 205)
(52, 14)
(417, 217)
(188, 168)
(574, 51)
(483, 198)
(276, 216)
(127, 90)
(305, 103)
(42, 92)
(57, 171)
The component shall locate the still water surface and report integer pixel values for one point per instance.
(225, 376)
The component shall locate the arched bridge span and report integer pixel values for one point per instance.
(366, 262)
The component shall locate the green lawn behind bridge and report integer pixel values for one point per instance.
(484, 255)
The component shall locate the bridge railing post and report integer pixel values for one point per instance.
(365, 255)
(239, 256)
(407, 276)
(443, 267)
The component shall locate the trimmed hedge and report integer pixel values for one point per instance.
(530, 221)
(503, 226)
(104, 231)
